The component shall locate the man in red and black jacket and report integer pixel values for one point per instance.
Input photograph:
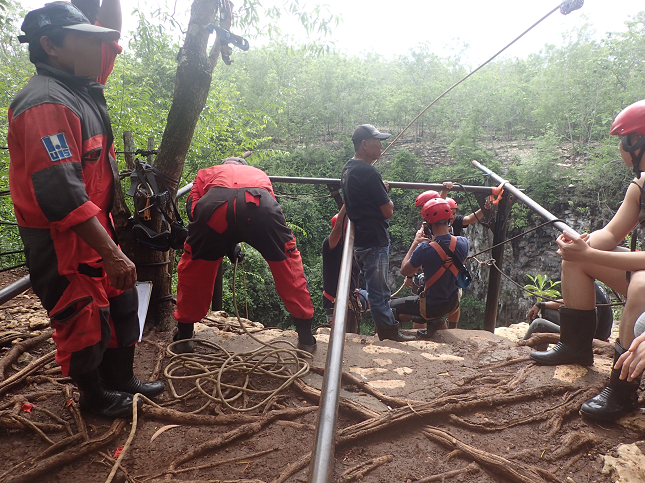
(62, 175)
(228, 204)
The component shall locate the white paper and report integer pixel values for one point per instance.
(144, 290)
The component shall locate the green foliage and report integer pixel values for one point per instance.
(472, 312)
(542, 287)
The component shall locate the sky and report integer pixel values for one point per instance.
(390, 28)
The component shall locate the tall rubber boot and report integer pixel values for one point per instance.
(184, 331)
(577, 328)
(615, 400)
(306, 340)
(97, 400)
(391, 332)
(117, 373)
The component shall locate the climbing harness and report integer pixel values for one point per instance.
(450, 262)
(148, 187)
(566, 7)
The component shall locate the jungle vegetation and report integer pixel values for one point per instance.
(296, 106)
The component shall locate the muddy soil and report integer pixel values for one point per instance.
(477, 373)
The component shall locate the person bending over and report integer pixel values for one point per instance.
(228, 204)
(598, 256)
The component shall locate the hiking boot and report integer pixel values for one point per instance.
(117, 373)
(615, 400)
(577, 328)
(97, 400)
(391, 332)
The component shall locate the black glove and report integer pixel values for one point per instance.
(235, 253)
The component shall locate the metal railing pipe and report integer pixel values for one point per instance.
(16, 288)
(487, 190)
(525, 199)
(321, 469)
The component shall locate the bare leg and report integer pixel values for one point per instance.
(454, 317)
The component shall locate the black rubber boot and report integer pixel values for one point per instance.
(306, 340)
(431, 328)
(97, 400)
(615, 400)
(391, 332)
(117, 373)
(184, 331)
(577, 328)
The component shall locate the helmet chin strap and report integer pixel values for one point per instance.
(631, 149)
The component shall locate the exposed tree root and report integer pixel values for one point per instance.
(359, 471)
(161, 354)
(31, 397)
(63, 443)
(293, 468)
(49, 464)
(350, 407)
(21, 347)
(472, 468)
(446, 405)
(240, 431)
(76, 413)
(572, 442)
(211, 465)
(19, 377)
(555, 415)
(512, 470)
(507, 362)
(178, 417)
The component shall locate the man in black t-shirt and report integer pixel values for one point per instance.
(369, 207)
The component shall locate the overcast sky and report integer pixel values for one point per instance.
(390, 28)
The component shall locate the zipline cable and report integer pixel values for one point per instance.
(565, 7)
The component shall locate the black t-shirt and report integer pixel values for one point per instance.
(458, 225)
(331, 259)
(364, 192)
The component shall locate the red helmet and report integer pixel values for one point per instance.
(452, 203)
(631, 120)
(436, 210)
(333, 220)
(424, 197)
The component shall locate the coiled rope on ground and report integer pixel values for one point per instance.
(213, 374)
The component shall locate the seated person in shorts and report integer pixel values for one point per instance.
(441, 295)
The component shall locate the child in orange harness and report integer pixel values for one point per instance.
(441, 295)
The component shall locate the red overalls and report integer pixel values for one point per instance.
(229, 204)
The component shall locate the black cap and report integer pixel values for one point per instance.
(62, 15)
(367, 131)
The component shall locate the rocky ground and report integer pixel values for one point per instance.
(468, 406)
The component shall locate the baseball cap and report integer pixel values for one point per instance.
(62, 15)
(367, 131)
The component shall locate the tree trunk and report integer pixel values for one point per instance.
(192, 84)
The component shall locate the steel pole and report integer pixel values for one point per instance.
(16, 288)
(526, 200)
(321, 469)
(487, 190)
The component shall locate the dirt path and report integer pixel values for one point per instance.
(476, 386)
